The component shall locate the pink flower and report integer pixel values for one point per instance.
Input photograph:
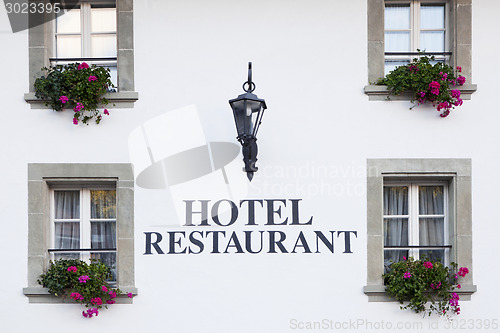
(90, 312)
(83, 279)
(72, 269)
(110, 301)
(463, 271)
(428, 264)
(130, 295)
(76, 296)
(75, 121)
(96, 301)
(63, 99)
(407, 275)
(455, 93)
(459, 102)
(436, 286)
(78, 107)
(404, 258)
(461, 80)
(83, 65)
(112, 294)
(459, 69)
(434, 85)
(454, 299)
(103, 288)
(92, 78)
(445, 113)
(106, 111)
(459, 286)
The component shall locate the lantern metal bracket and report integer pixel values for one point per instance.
(247, 135)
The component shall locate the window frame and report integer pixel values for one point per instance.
(460, 44)
(414, 215)
(42, 43)
(415, 26)
(84, 219)
(43, 178)
(457, 173)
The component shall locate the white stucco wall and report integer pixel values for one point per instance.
(309, 60)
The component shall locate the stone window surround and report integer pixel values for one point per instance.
(457, 172)
(460, 44)
(41, 48)
(41, 178)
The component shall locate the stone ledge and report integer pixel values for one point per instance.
(376, 293)
(42, 295)
(381, 93)
(117, 100)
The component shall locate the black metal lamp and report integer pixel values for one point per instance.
(248, 110)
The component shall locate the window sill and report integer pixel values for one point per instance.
(119, 100)
(376, 293)
(381, 93)
(42, 295)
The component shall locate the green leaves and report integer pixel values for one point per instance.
(77, 86)
(426, 286)
(84, 283)
(428, 81)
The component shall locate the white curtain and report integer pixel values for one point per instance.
(432, 28)
(397, 35)
(67, 233)
(431, 225)
(395, 228)
(431, 229)
(103, 231)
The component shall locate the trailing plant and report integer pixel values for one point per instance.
(433, 83)
(77, 86)
(84, 283)
(427, 286)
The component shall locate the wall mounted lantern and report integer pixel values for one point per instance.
(248, 110)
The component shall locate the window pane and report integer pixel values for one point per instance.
(397, 17)
(397, 41)
(396, 200)
(433, 255)
(67, 235)
(432, 17)
(103, 204)
(103, 235)
(103, 46)
(431, 200)
(432, 41)
(431, 231)
(103, 19)
(395, 232)
(67, 204)
(69, 22)
(69, 47)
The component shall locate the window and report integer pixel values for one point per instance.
(397, 28)
(80, 211)
(413, 26)
(87, 32)
(95, 31)
(418, 207)
(415, 221)
(84, 225)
